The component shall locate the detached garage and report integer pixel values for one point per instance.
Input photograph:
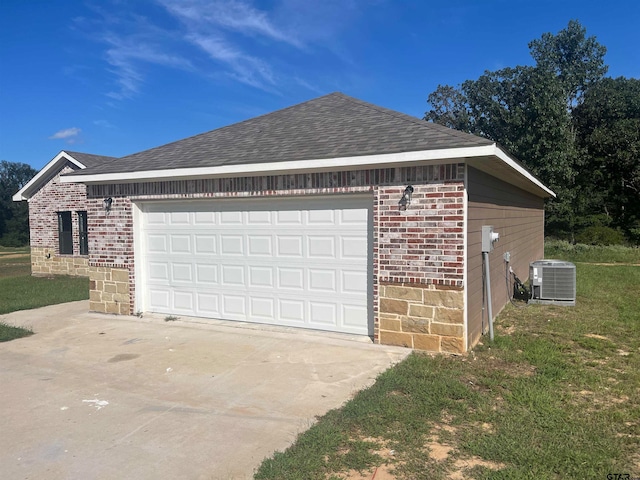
(334, 215)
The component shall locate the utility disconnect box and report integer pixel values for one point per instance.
(489, 238)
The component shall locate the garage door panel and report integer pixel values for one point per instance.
(205, 244)
(321, 280)
(180, 218)
(234, 307)
(208, 303)
(354, 282)
(155, 218)
(290, 246)
(261, 277)
(321, 217)
(207, 274)
(288, 217)
(351, 217)
(183, 301)
(322, 314)
(301, 262)
(181, 272)
(260, 245)
(353, 248)
(262, 308)
(205, 218)
(158, 272)
(321, 246)
(159, 299)
(157, 243)
(231, 218)
(233, 275)
(259, 218)
(291, 311)
(354, 315)
(290, 278)
(180, 244)
(231, 245)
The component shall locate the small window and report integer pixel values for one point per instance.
(65, 233)
(82, 231)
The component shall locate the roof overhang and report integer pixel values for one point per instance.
(490, 158)
(44, 175)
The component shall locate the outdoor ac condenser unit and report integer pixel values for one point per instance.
(553, 282)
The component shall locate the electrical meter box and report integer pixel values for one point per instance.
(489, 238)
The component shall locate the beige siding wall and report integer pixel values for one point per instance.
(518, 217)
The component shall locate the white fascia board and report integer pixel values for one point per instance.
(502, 155)
(23, 193)
(253, 169)
(299, 166)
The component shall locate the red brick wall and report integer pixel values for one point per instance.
(422, 244)
(55, 197)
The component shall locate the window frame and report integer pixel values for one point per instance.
(65, 236)
(83, 233)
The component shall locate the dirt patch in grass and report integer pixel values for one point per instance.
(599, 337)
(13, 255)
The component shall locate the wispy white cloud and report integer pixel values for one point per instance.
(215, 28)
(236, 39)
(124, 56)
(233, 15)
(244, 68)
(70, 135)
(103, 123)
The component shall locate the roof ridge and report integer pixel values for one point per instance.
(403, 116)
(235, 124)
(85, 153)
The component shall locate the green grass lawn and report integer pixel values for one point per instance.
(9, 332)
(555, 396)
(20, 291)
(578, 253)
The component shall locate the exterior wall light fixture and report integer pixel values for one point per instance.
(107, 204)
(405, 201)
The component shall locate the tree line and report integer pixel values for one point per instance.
(577, 130)
(14, 216)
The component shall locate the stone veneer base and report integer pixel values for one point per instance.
(44, 261)
(423, 317)
(109, 290)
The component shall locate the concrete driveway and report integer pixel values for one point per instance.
(94, 396)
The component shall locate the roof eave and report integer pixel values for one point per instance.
(33, 185)
(316, 165)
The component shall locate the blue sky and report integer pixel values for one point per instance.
(114, 77)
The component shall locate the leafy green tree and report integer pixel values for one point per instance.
(608, 132)
(528, 110)
(577, 61)
(14, 216)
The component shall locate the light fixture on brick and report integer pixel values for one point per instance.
(107, 203)
(405, 201)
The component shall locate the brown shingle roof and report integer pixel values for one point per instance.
(330, 126)
(90, 160)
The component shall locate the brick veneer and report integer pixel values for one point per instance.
(418, 252)
(55, 197)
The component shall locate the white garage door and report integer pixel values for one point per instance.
(296, 262)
